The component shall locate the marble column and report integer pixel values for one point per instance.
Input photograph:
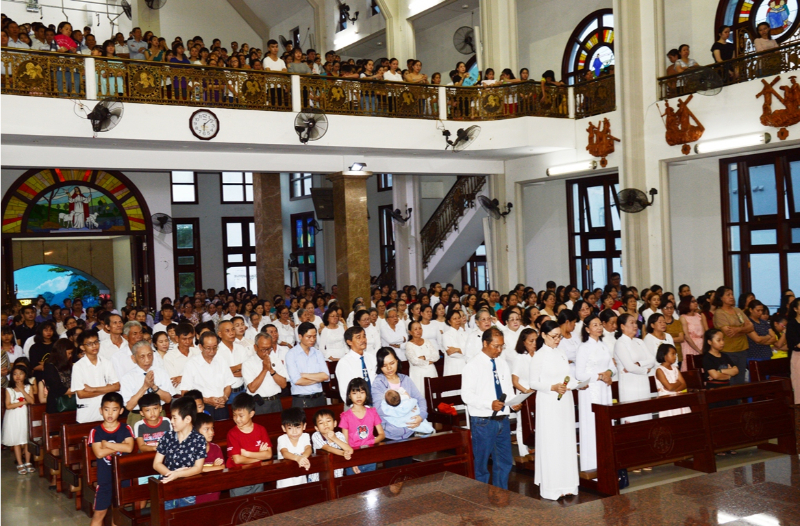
(499, 35)
(270, 261)
(352, 235)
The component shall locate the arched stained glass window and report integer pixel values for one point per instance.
(591, 47)
(744, 16)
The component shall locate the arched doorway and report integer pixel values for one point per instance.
(82, 219)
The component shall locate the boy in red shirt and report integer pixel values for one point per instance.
(248, 443)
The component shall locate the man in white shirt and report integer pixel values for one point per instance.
(311, 55)
(233, 354)
(115, 342)
(91, 42)
(38, 40)
(485, 385)
(12, 30)
(210, 376)
(356, 363)
(123, 361)
(120, 47)
(142, 379)
(92, 377)
(167, 312)
(176, 359)
(265, 375)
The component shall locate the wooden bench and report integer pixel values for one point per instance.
(694, 361)
(88, 478)
(51, 433)
(129, 468)
(246, 508)
(762, 370)
(651, 442)
(36, 434)
(694, 379)
(331, 387)
(435, 389)
(769, 416)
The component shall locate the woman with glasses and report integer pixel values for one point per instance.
(636, 362)
(556, 449)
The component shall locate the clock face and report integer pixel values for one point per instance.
(204, 124)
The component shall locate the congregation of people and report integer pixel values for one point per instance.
(204, 353)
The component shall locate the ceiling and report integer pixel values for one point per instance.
(446, 11)
(374, 47)
(266, 9)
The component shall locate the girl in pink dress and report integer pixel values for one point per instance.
(694, 326)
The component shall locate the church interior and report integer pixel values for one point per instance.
(565, 235)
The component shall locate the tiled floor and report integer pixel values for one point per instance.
(760, 494)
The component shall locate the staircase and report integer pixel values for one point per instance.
(454, 230)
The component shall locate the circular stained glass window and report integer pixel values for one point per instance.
(779, 14)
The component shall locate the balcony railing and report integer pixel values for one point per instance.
(524, 99)
(594, 97)
(444, 220)
(733, 71)
(46, 74)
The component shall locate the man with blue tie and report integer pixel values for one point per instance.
(356, 363)
(485, 385)
(307, 369)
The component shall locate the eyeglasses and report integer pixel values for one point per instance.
(94, 343)
(556, 336)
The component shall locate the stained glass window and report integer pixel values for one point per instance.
(591, 47)
(744, 16)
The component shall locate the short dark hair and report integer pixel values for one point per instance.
(358, 384)
(661, 353)
(293, 416)
(323, 412)
(183, 329)
(673, 53)
(114, 397)
(352, 331)
(271, 42)
(202, 419)
(206, 335)
(89, 333)
(244, 401)
(305, 327)
(490, 333)
(185, 406)
(149, 400)
(194, 394)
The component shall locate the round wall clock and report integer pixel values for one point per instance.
(204, 124)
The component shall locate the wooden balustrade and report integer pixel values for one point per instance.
(369, 97)
(594, 97)
(740, 69)
(455, 204)
(522, 99)
(43, 74)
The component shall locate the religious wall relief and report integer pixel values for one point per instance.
(682, 125)
(781, 118)
(601, 142)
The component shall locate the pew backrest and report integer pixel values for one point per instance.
(35, 425)
(761, 369)
(51, 428)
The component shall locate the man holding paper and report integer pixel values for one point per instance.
(485, 385)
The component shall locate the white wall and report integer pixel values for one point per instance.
(78, 19)
(696, 221)
(123, 275)
(304, 20)
(688, 22)
(289, 207)
(545, 234)
(544, 27)
(435, 46)
(363, 28)
(209, 19)
(429, 204)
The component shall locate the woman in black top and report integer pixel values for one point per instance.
(57, 374)
(723, 50)
(42, 344)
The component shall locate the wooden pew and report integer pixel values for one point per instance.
(246, 508)
(51, 432)
(760, 370)
(131, 468)
(458, 440)
(651, 442)
(434, 395)
(694, 379)
(36, 434)
(694, 361)
(331, 387)
(88, 478)
(770, 415)
(439, 365)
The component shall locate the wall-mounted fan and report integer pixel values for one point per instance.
(464, 40)
(397, 216)
(105, 115)
(284, 42)
(310, 125)
(463, 138)
(155, 4)
(315, 225)
(707, 81)
(162, 223)
(633, 200)
(126, 8)
(492, 207)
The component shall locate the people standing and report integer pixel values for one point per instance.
(307, 369)
(636, 362)
(735, 326)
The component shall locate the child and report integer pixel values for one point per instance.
(326, 439)
(248, 443)
(214, 459)
(669, 379)
(358, 422)
(182, 451)
(294, 444)
(149, 431)
(197, 396)
(15, 423)
(398, 412)
(108, 439)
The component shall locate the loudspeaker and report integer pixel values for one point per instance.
(323, 203)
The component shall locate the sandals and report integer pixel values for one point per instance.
(30, 468)
(21, 469)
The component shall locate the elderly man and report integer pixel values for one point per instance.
(356, 363)
(307, 369)
(265, 376)
(233, 355)
(210, 375)
(124, 361)
(142, 379)
(114, 343)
